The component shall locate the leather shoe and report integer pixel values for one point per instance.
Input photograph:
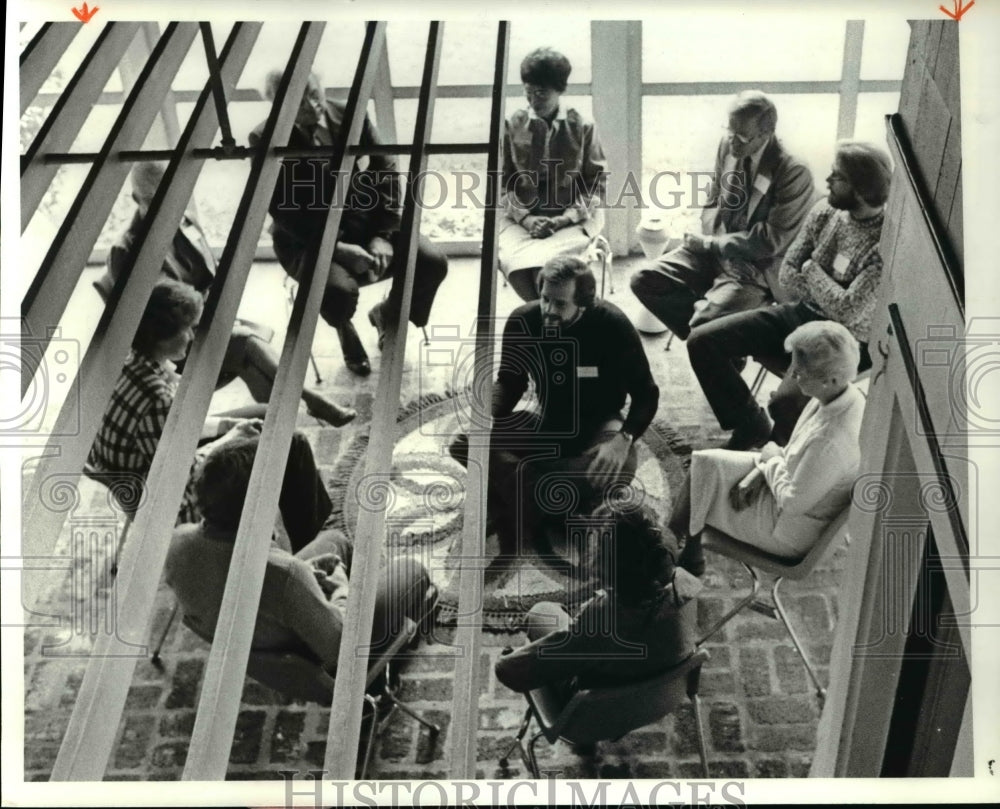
(355, 356)
(692, 557)
(375, 318)
(753, 432)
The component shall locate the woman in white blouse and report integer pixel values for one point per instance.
(780, 499)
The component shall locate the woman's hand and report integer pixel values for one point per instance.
(747, 490)
(770, 450)
(381, 252)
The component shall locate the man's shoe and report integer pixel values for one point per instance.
(375, 317)
(332, 413)
(751, 433)
(355, 356)
(692, 558)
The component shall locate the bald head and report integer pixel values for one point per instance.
(146, 178)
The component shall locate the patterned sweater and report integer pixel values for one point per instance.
(835, 267)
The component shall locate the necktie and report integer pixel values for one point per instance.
(742, 190)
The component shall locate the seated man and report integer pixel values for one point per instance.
(781, 499)
(190, 260)
(756, 203)
(644, 619)
(140, 403)
(833, 267)
(584, 357)
(304, 595)
(369, 224)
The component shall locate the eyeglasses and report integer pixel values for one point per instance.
(531, 91)
(740, 138)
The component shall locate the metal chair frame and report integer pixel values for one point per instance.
(555, 722)
(754, 559)
(320, 687)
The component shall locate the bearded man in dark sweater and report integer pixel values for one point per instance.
(584, 357)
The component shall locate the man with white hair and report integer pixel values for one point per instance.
(757, 201)
(368, 238)
(834, 270)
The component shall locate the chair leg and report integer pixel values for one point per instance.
(755, 586)
(670, 339)
(312, 359)
(373, 731)
(155, 657)
(532, 762)
(700, 734)
(427, 340)
(820, 691)
(434, 729)
(758, 381)
(518, 742)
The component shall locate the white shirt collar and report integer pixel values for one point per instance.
(560, 114)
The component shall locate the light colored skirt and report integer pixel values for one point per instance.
(714, 472)
(518, 251)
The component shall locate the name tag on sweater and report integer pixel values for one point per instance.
(586, 372)
(841, 262)
(762, 183)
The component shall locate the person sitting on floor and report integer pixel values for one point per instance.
(833, 267)
(554, 175)
(304, 596)
(780, 499)
(584, 357)
(140, 403)
(190, 260)
(641, 622)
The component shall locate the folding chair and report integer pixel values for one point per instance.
(598, 714)
(754, 559)
(304, 678)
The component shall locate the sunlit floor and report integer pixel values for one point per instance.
(759, 712)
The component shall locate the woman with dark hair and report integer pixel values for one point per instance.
(140, 403)
(650, 603)
(553, 176)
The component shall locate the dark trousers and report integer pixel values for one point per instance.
(534, 480)
(340, 299)
(714, 347)
(681, 278)
(304, 502)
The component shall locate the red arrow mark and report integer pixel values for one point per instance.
(84, 14)
(956, 15)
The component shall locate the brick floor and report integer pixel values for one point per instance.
(759, 711)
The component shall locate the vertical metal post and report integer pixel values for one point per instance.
(616, 86)
(850, 78)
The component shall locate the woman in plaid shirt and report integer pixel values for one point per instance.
(141, 400)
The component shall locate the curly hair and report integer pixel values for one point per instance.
(546, 67)
(630, 553)
(172, 307)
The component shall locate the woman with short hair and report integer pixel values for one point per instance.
(780, 499)
(553, 176)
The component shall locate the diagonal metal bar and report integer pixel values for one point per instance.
(468, 638)
(215, 80)
(90, 736)
(49, 292)
(344, 732)
(88, 395)
(41, 55)
(69, 113)
(218, 706)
